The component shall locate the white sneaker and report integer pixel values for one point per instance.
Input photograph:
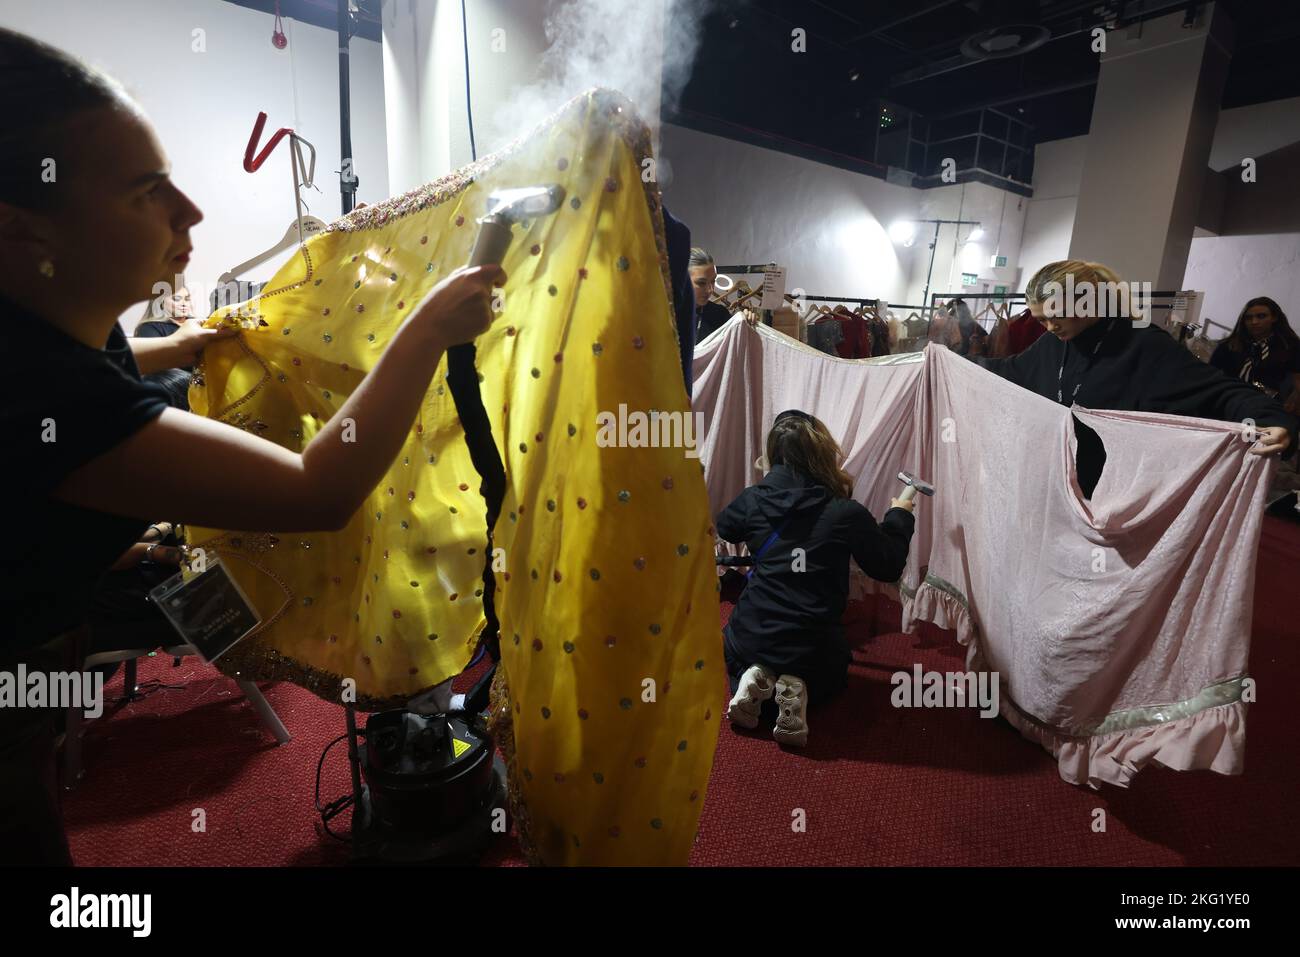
(757, 684)
(791, 726)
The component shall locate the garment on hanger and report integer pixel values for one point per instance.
(826, 336)
(999, 338)
(1119, 626)
(855, 334)
(1022, 332)
(944, 330)
(606, 574)
(915, 326)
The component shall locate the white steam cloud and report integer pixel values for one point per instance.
(609, 43)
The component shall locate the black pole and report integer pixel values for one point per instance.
(926, 295)
(354, 759)
(347, 176)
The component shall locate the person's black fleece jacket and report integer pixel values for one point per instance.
(1135, 370)
(787, 619)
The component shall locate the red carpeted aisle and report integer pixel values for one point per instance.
(876, 785)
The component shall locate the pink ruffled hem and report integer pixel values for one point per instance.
(1213, 739)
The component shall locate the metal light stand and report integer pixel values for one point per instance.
(925, 297)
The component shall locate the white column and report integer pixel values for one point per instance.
(1153, 123)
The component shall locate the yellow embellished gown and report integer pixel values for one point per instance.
(608, 709)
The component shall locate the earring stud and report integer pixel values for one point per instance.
(46, 268)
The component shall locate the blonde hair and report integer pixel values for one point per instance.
(803, 443)
(1083, 273)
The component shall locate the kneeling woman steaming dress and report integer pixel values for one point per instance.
(785, 635)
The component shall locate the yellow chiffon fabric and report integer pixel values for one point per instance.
(606, 591)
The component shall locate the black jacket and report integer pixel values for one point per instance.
(175, 381)
(1134, 370)
(709, 319)
(678, 236)
(787, 617)
(1283, 362)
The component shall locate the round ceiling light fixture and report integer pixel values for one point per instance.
(1008, 40)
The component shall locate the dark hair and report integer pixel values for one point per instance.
(802, 442)
(699, 257)
(1240, 339)
(41, 88)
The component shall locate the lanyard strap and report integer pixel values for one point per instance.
(1060, 373)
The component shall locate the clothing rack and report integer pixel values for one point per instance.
(755, 268)
(1187, 333)
(859, 301)
(1020, 297)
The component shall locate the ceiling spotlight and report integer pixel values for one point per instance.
(976, 234)
(735, 22)
(854, 75)
(902, 231)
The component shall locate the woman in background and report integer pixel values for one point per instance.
(802, 525)
(1264, 351)
(164, 319)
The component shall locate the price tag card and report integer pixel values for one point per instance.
(207, 609)
(773, 288)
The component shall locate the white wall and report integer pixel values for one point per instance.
(1229, 269)
(203, 105)
(1002, 215)
(1049, 219)
(745, 204)
(1253, 131)
(424, 80)
(1235, 269)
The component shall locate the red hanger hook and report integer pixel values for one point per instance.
(253, 164)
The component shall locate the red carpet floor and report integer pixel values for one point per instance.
(876, 785)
